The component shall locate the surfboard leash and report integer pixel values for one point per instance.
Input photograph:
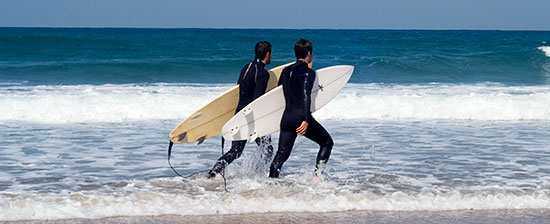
(170, 145)
(169, 155)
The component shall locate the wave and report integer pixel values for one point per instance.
(104, 103)
(121, 103)
(251, 196)
(438, 101)
(545, 49)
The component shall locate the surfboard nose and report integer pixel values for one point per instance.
(346, 68)
(339, 69)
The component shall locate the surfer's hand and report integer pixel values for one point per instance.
(302, 129)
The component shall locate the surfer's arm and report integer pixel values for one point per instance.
(243, 70)
(308, 85)
(281, 78)
(261, 84)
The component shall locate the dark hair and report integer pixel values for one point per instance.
(302, 47)
(261, 50)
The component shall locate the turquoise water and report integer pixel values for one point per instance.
(431, 121)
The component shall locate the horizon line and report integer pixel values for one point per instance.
(255, 28)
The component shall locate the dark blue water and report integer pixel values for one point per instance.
(37, 56)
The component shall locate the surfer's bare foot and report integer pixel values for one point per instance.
(315, 179)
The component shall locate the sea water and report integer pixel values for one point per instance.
(430, 121)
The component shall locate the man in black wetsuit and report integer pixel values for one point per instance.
(252, 83)
(297, 81)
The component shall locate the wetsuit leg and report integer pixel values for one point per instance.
(235, 152)
(286, 142)
(265, 144)
(317, 133)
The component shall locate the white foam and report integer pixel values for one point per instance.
(250, 196)
(106, 103)
(119, 103)
(545, 49)
(428, 102)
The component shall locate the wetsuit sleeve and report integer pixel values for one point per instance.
(282, 77)
(261, 84)
(243, 70)
(308, 86)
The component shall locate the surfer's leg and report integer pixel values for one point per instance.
(235, 152)
(265, 144)
(317, 133)
(286, 142)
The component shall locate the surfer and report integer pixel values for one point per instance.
(297, 81)
(252, 83)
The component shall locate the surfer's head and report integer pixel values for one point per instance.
(263, 52)
(303, 49)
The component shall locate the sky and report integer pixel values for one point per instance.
(288, 14)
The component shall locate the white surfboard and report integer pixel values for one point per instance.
(263, 115)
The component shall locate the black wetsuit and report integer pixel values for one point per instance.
(252, 83)
(297, 81)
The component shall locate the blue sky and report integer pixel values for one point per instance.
(327, 14)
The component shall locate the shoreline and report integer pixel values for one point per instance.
(532, 216)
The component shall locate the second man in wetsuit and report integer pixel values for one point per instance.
(252, 83)
(297, 81)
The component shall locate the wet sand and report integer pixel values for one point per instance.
(531, 216)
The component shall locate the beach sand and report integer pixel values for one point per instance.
(531, 216)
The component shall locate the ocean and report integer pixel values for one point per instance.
(432, 122)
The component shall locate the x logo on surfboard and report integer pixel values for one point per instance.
(321, 87)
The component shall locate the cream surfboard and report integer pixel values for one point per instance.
(263, 115)
(208, 121)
